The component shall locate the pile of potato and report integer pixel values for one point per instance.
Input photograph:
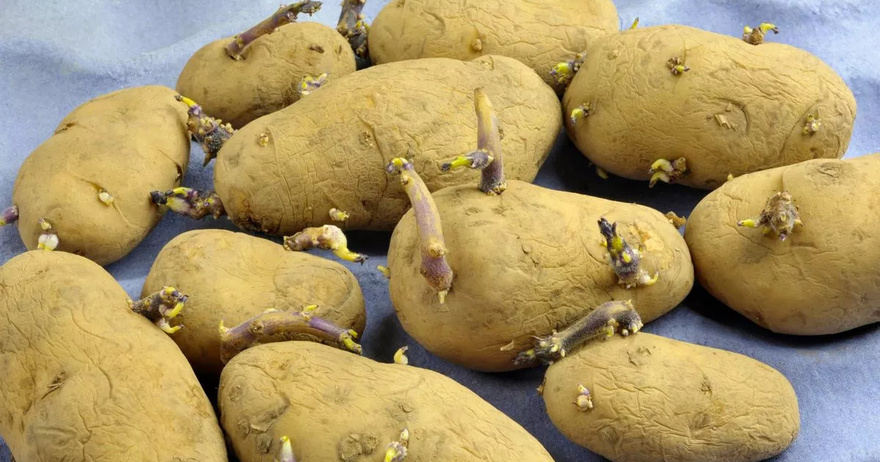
(487, 270)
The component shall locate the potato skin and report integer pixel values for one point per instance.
(539, 34)
(332, 151)
(337, 406)
(268, 77)
(85, 378)
(526, 262)
(823, 279)
(658, 399)
(233, 277)
(128, 143)
(642, 112)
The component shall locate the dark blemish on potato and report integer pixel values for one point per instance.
(706, 386)
(317, 48)
(405, 406)
(65, 127)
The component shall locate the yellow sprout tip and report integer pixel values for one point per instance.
(460, 161)
(400, 356)
(765, 26)
(187, 101)
(748, 223)
(442, 296)
(177, 309)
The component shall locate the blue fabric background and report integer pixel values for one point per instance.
(55, 55)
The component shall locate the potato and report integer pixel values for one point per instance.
(518, 260)
(334, 405)
(90, 181)
(85, 378)
(286, 171)
(540, 35)
(233, 277)
(824, 277)
(658, 399)
(739, 108)
(268, 76)
(526, 262)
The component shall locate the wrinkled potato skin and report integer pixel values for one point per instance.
(539, 34)
(332, 151)
(268, 77)
(661, 400)
(642, 112)
(126, 392)
(233, 277)
(337, 406)
(823, 279)
(128, 142)
(526, 262)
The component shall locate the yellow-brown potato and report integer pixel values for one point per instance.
(233, 277)
(660, 400)
(268, 76)
(285, 171)
(526, 262)
(126, 143)
(85, 378)
(539, 34)
(739, 109)
(824, 277)
(337, 406)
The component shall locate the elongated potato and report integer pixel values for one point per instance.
(285, 171)
(268, 76)
(657, 399)
(739, 108)
(526, 262)
(539, 34)
(233, 277)
(824, 277)
(334, 405)
(85, 378)
(123, 144)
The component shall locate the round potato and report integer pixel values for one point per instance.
(233, 277)
(656, 399)
(526, 262)
(539, 34)
(91, 180)
(285, 171)
(338, 406)
(824, 277)
(85, 378)
(267, 77)
(730, 108)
